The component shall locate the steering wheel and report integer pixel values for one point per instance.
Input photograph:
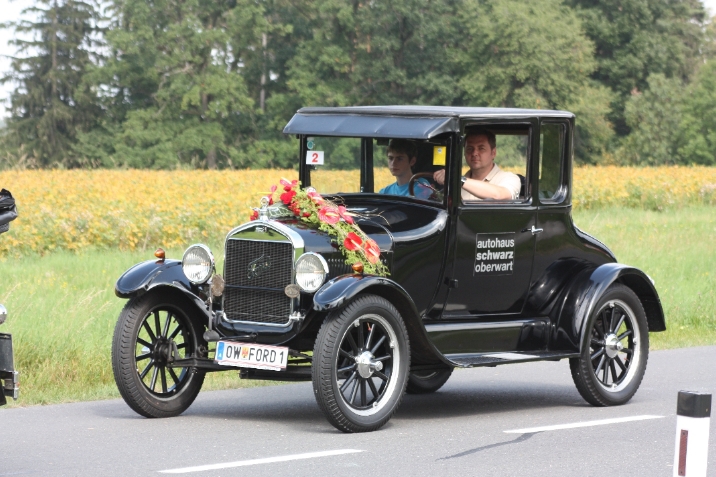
(411, 183)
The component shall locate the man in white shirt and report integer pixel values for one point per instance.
(485, 180)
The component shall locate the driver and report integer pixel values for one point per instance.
(484, 180)
(402, 155)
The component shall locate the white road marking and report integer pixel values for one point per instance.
(268, 460)
(582, 424)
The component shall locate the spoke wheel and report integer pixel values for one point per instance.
(613, 360)
(362, 366)
(424, 382)
(152, 331)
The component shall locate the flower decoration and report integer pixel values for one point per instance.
(311, 208)
(352, 242)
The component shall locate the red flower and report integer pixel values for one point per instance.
(288, 196)
(329, 215)
(270, 200)
(372, 251)
(344, 215)
(316, 197)
(306, 214)
(352, 242)
(254, 215)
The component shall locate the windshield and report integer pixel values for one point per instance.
(384, 166)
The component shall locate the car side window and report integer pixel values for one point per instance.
(551, 152)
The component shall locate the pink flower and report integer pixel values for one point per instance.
(287, 186)
(316, 198)
(273, 188)
(344, 214)
(372, 251)
(329, 215)
(352, 242)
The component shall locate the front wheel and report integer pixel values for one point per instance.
(613, 362)
(151, 332)
(360, 364)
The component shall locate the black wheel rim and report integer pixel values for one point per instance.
(163, 336)
(614, 350)
(366, 364)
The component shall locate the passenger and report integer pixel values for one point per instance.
(484, 180)
(402, 155)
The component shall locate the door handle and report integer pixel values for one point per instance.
(536, 231)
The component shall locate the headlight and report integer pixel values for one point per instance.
(198, 264)
(311, 271)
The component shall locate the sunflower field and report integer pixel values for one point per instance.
(139, 209)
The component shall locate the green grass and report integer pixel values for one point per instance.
(62, 307)
(677, 249)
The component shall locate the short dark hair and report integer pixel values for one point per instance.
(405, 146)
(482, 132)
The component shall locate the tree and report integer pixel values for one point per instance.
(698, 136)
(49, 108)
(637, 38)
(533, 55)
(654, 117)
(175, 93)
(377, 53)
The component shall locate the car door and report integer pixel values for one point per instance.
(493, 251)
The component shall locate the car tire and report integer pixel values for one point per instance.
(424, 382)
(360, 364)
(151, 331)
(613, 360)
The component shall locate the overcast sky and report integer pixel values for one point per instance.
(10, 11)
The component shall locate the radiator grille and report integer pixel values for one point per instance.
(256, 274)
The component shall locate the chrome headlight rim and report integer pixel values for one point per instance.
(212, 266)
(323, 264)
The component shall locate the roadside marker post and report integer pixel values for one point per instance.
(693, 415)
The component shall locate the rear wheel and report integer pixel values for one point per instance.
(613, 362)
(151, 332)
(423, 382)
(360, 364)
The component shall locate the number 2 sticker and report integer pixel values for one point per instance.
(314, 157)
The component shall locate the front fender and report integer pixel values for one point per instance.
(146, 275)
(340, 290)
(151, 274)
(582, 298)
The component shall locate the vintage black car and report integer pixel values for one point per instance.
(471, 283)
(9, 382)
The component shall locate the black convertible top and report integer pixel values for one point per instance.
(413, 122)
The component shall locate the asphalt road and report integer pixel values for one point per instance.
(460, 430)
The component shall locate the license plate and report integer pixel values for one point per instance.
(251, 355)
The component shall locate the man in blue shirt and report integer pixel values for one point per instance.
(402, 155)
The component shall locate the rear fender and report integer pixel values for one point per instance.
(151, 275)
(579, 302)
(341, 290)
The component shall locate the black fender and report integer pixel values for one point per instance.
(150, 275)
(340, 290)
(589, 286)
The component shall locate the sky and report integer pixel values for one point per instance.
(10, 10)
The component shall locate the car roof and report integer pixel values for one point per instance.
(413, 122)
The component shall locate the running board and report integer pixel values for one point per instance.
(475, 360)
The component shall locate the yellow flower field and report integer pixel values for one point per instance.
(134, 209)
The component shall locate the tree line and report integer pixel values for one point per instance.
(211, 83)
